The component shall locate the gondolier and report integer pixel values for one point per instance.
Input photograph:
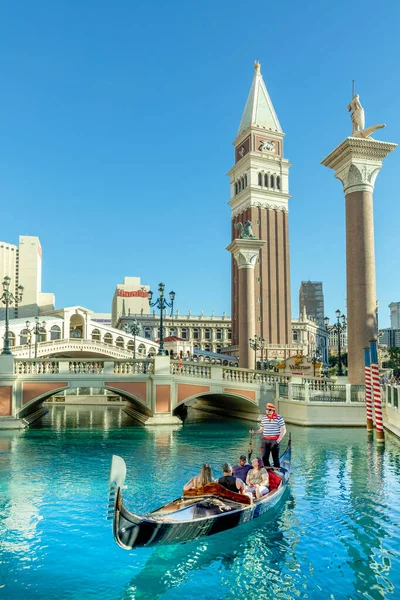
(273, 429)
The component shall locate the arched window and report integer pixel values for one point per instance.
(119, 342)
(152, 351)
(147, 333)
(207, 347)
(184, 334)
(236, 188)
(295, 335)
(172, 331)
(218, 334)
(278, 183)
(229, 334)
(260, 179)
(96, 335)
(55, 333)
(218, 348)
(108, 339)
(11, 337)
(266, 180)
(130, 346)
(24, 337)
(242, 183)
(272, 181)
(196, 333)
(245, 181)
(196, 346)
(142, 349)
(207, 334)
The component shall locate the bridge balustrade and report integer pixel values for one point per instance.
(79, 367)
(36, 367)
(190, 369)
(134, 367)
(238, 375)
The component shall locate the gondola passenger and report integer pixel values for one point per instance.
(257, 479)
(197, 481)
(240, 471)
(228, 481)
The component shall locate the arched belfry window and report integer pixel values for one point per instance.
(260, 179)
(245, 181)
(236, 188)
(266, 180)
(272, 181)
(278, 183)
(239, 186)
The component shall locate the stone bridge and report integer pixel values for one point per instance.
(157, 390)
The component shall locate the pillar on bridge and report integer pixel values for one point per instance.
(357, 162)
(245, 252)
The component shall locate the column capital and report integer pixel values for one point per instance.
(245, 252)
(357, 162)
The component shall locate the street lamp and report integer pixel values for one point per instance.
(161, 303)
(315, 358)
(8, 298)
(257, 343)
(339, 327)
(37, 329)
(134, 329)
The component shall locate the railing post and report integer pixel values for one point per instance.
(348, 393)
(108, 367)
(306, 393)
(63, 366)
(216, 372)
(289, 391)
(276, 391)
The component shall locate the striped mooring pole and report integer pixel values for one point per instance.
(368, 389)
(380, 435)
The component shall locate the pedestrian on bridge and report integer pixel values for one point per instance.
(273, 429)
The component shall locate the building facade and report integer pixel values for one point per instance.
(394, 315)
(23, 263)
(311, 299)
(259, 182)
(130, 297)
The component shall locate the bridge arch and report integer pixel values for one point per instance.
(230, 404)
(33, 395)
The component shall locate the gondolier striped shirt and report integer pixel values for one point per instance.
(272, 427)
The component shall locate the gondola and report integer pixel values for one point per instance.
(196, 514)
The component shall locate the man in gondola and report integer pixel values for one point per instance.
(240, 471)
(230, 482)
(273, 429)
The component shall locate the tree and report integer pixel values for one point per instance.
(394, 363)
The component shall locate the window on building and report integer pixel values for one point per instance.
(236, 188)
(229, 334)
(11, 337)
(207, 347)
(260, 179)
(152, 351)
(55, 333)
(108, 339)
(196, 333)
(130, 346)
(272, 184)
(196, 346)
(266, 180)
(119, 342)
(96, 336)
(24, 337)
(147, 333)
(172, 331)
(245, 181)
(218, 334)
(207, 334)
(278, 183)
(295, 335)
(218, 348)
(142, 349)
(184, 334)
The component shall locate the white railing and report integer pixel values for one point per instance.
(36, 367)
(190, 369)
(136, 367)
(72, 344)
(322, 391)
(250, 376)
(86, 367)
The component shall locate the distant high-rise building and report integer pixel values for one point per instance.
(311, 299)
(23, 264)
(394, 315)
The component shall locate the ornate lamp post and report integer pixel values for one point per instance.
(161, 303)
(339, 327)
(36, 330)
(8, 299)
(134, 329)
(257, 343)
(315, 358)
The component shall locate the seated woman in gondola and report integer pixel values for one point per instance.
(257, 478)
(197, 481)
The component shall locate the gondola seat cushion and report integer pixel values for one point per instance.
(274, 480)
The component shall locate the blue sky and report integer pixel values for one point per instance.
(117, 120)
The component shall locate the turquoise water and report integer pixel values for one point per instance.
(336, 535)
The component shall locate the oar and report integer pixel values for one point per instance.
(250, 450)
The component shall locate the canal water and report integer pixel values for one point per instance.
(336, 535)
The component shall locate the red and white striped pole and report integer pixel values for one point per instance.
(368, 390)
(380, 435)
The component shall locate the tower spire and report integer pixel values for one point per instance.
(259, 110)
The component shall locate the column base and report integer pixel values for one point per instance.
(370, 426)
(380, 437)
(163, 420)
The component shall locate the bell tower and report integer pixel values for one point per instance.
(259, 183)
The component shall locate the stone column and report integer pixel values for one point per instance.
(245, 253)
(357, 162)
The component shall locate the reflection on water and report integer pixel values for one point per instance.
(336, 535)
